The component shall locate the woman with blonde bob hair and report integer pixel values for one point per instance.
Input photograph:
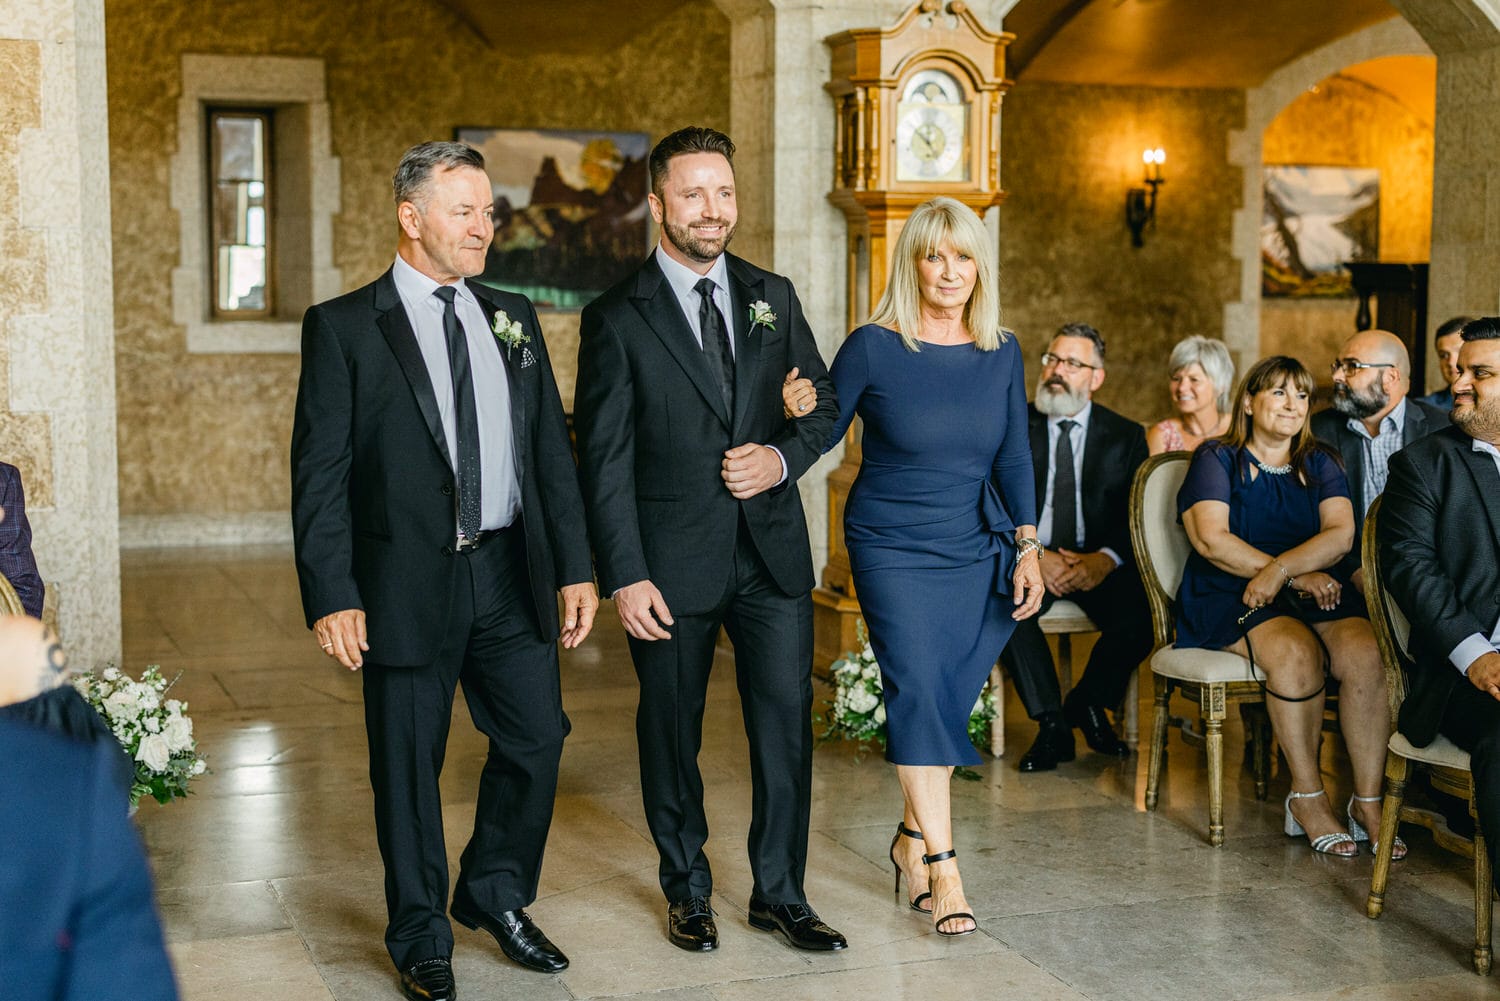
(940, 524)
(1201, 374)
(1268, 514)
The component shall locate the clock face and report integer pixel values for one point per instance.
(932, 129)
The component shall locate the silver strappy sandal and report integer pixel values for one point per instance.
(1324, 843)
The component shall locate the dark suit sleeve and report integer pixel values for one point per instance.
(1408, 533)
(117, 937)
(322, 451)
(17, 562)
(800, 441)
(557, 476)
(604, 412)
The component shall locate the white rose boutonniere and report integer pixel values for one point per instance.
(508, 331)
(761, 315)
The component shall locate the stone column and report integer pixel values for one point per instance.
(57, 404)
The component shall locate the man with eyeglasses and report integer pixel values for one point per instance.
(1372, 418)
(1085, 457)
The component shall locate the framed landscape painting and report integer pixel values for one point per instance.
(1315, 219)
(570, 210)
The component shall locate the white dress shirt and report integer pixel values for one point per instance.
(1079, 434)
(1473, 647)
(500, 482)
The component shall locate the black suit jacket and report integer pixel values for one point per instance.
(373, 506)
(1332, 428)
(1439, 536)
(1113, 449)
(77, 921)
(653, 429)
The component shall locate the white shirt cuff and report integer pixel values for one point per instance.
(1112, 555)
(1466, 653)
(783, 465)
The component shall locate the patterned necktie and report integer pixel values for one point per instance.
(1064, 490)
(465, 417)
(715, 340)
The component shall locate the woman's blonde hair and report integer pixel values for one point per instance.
(900, 306)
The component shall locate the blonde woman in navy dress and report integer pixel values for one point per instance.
(940, 523)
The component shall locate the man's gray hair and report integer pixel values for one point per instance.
(1213, 357)
(418, 163)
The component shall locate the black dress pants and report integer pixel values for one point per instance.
(772, 637)
(510, 681)
(1118, 606)
(1472, 721)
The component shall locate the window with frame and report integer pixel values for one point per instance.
(241, 240)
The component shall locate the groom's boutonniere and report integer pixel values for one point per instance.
(508, 331)
(761, 315)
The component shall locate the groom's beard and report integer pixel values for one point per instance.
(696, 248)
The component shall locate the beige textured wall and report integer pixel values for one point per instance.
(1068, 155)
(25, 438)
(1347, 123)
(208, 434)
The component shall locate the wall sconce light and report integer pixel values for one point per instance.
(1140, 203)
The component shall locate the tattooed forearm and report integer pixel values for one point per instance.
(54, 660)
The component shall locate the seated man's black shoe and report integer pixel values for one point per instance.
(1093, 723)
(1053, 745)
(429, 980)
(690, 925)
(797, 923)
(519, 937)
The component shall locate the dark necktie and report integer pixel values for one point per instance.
(715, 340)
(465, 417)
(1064, 490)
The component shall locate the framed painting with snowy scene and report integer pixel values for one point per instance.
(1314, 219)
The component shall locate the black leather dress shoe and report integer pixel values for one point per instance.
(519, 937)
(690, 925)
(1093, 723)
(1053, 744)
(797, 923)
(429, 980)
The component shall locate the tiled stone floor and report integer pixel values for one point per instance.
(270, 884)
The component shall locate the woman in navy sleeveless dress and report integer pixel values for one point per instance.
(933, 520)
(1267, 511)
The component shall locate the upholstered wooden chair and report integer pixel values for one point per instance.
(1211, 678)
(1447, 766)
(18, 674)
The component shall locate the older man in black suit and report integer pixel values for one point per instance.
(1085, 457)
(437, 513)
(1439, 536)
(689, 471)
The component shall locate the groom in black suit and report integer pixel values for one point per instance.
(689, 475)
(436, 513)
(1439, 535)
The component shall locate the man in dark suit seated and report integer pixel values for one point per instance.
(1446, 341)
(1372, 418)
(77, 920)
(1439, 536)
(1085, 457)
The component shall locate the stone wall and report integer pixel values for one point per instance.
(204, 436)
(1068, 154)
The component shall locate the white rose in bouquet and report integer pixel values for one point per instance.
(862, 700)
(154, 752)
(179, 733)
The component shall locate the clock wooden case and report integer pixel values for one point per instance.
(918, 108)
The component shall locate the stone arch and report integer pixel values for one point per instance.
(1394, 37)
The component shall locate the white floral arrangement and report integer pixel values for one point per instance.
(154, 730)
(509, 332)
(857, 711)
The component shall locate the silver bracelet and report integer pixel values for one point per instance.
(1027, 545)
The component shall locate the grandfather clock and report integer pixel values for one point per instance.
(918, 109)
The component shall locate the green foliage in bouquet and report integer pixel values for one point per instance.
(857, 711)
(154, 730)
